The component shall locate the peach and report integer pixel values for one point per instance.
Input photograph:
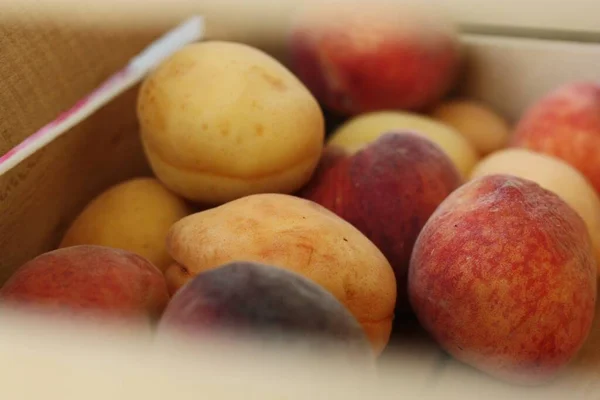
(503, 276)
(478, 122)
(255, 300)
(388, 190)
(363, 129)
(358, 57)
(565, 123)
(295, 234)
(552, 174)
(222, 120)
(89, 281)
(134, 215)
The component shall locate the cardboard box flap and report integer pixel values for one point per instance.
(576, 20)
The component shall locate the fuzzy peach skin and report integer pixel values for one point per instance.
(295, 234)
(503, 276)
(358, 57)
(89, 281)
(133, 215)
(388, 190)
(221, 120)
(363, 129)
(565, 123)
(552, 174)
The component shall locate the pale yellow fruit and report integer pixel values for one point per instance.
(222, 120)
(296, 234)
(552, 174)
(365, 128)
(134, 215)
(485, 129)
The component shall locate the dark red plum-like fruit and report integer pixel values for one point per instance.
(387, 189)
(263, 302)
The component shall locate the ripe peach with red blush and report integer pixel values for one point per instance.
(565, 123)
(387, 190)
(94, 282)
(358, 57)
(503, 276)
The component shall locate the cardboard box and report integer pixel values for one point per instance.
(575, 19)
(47, 66)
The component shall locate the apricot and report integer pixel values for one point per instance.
(503, 276)
(552, 174)
(222, 120)
(295, 234)
(363, 129)
(359, 57)
(387, 190)
(565, 123)
(91, 282)
(134, 215)
(259, 301)
(478, 122)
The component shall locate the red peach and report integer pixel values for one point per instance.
(503, 276)
(89, 281)
(565, 124)
(387, 190)
(358, 57)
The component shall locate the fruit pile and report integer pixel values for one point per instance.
(264, 219)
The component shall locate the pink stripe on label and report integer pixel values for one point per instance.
(114, 80)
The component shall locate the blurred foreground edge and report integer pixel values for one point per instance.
(60, 359)
(532, 18)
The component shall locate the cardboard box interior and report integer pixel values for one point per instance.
(46, 66)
